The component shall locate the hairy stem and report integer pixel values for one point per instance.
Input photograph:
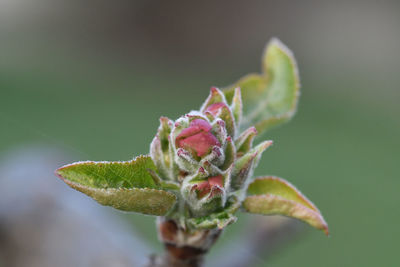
(183, 247)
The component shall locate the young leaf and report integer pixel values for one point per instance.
(116, 174)
(142, 200)
(273, 195)
(270, 98)
(217, 219)
(124, 185)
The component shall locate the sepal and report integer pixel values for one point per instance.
(237, 106)
(161, 149)
(245, 165)
(216, 96)
(229, 154)
(185, 161)
(219, 219)
(245, 141)
(222, 111)
(205, 192)
(220, 130)
(216, 106)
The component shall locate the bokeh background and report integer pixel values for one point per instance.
(88, 80)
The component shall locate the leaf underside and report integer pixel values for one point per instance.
(269, 98)
(273, 195)
(124, 185)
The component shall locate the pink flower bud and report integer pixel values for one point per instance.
(212, 184)
(223, 111)
(214, 109)
(197, 138)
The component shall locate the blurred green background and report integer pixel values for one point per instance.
(92, 78)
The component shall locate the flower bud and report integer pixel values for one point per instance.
(200, 154)
(206, 193)
(216, 107)
(210, 185)
(197, 138)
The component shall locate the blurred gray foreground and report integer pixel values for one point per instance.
(44, 223)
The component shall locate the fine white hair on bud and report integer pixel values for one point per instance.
(202, 153)
(201, 165)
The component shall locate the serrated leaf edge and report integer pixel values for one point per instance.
(300, 211)
(288, 184)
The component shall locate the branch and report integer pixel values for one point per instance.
(183, 247)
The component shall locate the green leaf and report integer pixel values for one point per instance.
(117, 174)
(270, 98)
(124, 185)
(273, 195)
(142, 200)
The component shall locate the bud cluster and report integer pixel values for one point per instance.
(200, 168)
(203, 154)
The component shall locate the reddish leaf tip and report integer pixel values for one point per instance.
(214, 89)
(253, 130)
